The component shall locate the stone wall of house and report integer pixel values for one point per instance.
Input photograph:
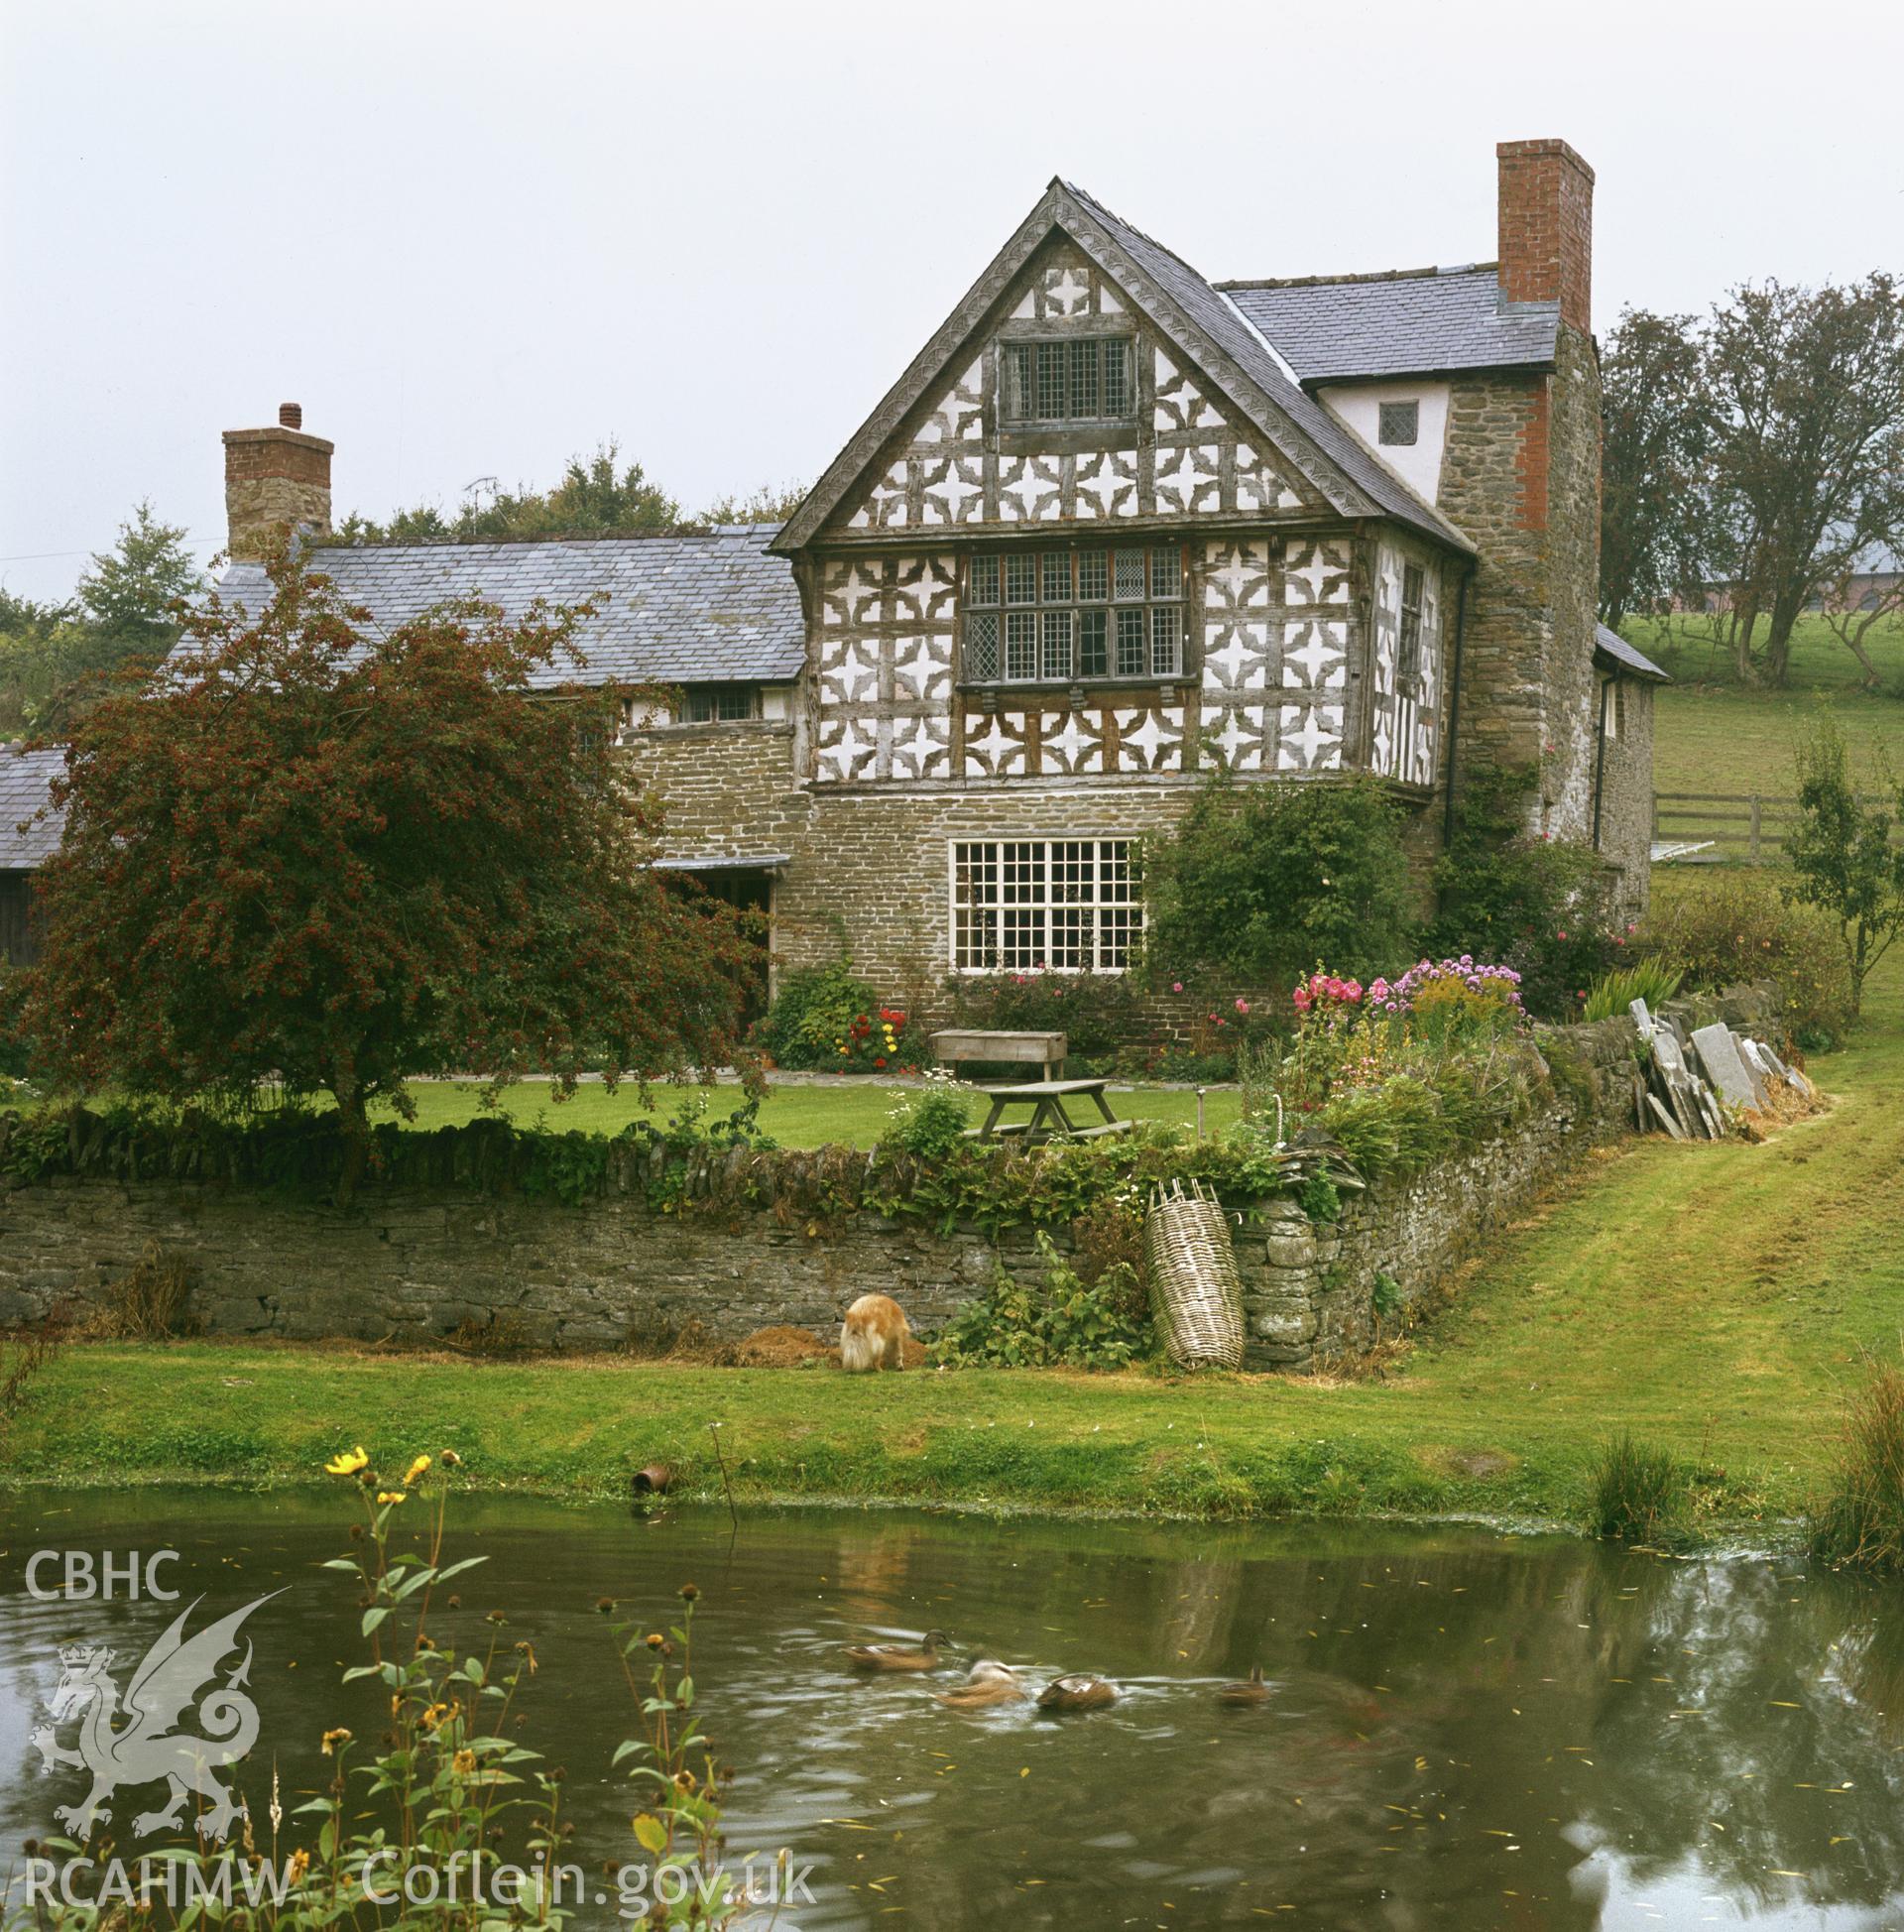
(413, 1264)
(1521, 476)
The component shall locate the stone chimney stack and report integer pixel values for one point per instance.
(274, 478)
(1547, 228)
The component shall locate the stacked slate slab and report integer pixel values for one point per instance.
(1697, 1082)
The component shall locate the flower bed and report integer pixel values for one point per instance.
(1403, 1072)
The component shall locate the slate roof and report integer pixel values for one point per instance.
(24, 780)
(681, 610)
(1411, 323)
(1610, 644)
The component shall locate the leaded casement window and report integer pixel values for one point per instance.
(1409, 665)
(1068, 379)
(720, 704)
(1398, 424)
(1072, 616)
(1061, 906)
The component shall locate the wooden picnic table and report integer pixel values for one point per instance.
(1049, 1120)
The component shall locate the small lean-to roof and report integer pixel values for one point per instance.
(26, 779)
(1408, 322)
(1205, 323)
(713, 607)
(1612, 653)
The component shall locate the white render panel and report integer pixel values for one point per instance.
(1418, 464)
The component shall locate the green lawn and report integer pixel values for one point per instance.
(796, 1116)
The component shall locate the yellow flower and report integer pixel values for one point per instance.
(347, 1464)
(415, 1470)
(390, 1496)
(465, 1764)
(332, 1739)
(299, 1865)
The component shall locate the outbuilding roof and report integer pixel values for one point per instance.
(1412, 323)
(26, 777)
(692, 609)
(1613, 650)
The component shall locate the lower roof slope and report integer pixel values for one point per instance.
(26, 779)
(1414, 323)
(709, 608)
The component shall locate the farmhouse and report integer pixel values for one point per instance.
(1116, 527)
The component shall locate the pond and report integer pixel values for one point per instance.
(1466, 1729)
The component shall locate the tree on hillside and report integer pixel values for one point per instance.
(1657, 429)
(1843, 852)
(1853, 607)
(595, 498)
(1807, 389)
(330, 858)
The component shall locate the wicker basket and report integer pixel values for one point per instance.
(1194, 1285)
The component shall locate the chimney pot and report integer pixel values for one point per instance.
(292, 414)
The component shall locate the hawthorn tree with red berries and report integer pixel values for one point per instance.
(320, 855)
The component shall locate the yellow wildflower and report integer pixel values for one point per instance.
(417, 1469)
(332, 1739)
(465, 1764)
(347, 1464)
(299, 1865)
(390, 1496)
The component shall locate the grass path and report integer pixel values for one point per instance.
(1712, 1298)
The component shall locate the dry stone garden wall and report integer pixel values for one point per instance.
(416, 1261)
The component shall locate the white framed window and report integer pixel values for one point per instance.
(1060, 906)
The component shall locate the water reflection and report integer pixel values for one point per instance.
(1465, 1731)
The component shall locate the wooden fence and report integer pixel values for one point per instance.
(1749, 826)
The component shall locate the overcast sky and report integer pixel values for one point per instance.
(474, 238)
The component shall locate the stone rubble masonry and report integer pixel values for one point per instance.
(1521, 476)
(274, 477)
(871, 867)
(414, 1262)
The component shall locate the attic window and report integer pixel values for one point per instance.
(1068, 379)
(1401, 424)
(720, 704)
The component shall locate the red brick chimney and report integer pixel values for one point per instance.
(274, 478)
(1547, 228)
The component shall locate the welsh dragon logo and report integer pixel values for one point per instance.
(149, 1743)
